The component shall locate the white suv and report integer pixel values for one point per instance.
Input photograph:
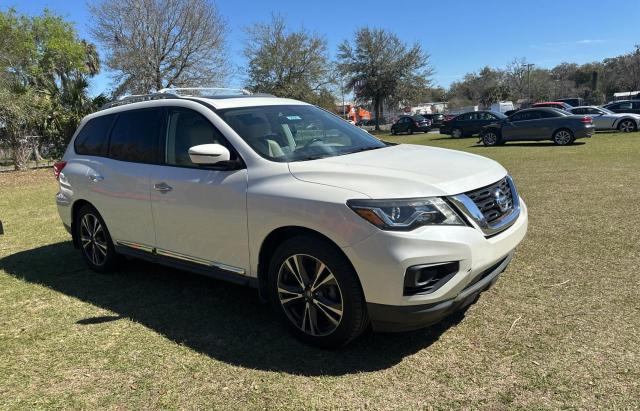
(337, 229)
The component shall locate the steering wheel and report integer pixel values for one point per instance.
(313, 140)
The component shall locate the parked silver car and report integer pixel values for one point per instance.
(605, 119)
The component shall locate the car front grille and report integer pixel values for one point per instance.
(494, 201)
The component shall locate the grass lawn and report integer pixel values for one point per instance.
(561, 328)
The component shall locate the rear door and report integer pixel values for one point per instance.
(119, 183)
(200, 213)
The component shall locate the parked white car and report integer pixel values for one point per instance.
(336, 228)
(604, 119)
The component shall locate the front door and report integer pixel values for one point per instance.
(199, 213)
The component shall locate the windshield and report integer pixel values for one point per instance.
(297, 132)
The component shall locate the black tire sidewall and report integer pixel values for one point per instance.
(354, 319)
(111, 259)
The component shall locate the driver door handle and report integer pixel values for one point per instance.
(162, 187)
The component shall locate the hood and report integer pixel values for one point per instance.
(402, 171)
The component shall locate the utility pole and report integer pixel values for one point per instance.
(529, 65)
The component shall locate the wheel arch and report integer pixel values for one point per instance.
(279, 236)
(75, 208)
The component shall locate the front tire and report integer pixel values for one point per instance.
(627, 126)
(94, 240)
(457, 132)
(563, 137)
(316, 292)
(491, 138)
(410, 130)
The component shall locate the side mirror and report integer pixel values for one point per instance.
(209, 154)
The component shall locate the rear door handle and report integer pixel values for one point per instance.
(95, 178)
(162, 187)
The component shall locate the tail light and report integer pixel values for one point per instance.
(57, 168)
(586, 120)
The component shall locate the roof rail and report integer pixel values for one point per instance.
(136, 98)
(205, 91)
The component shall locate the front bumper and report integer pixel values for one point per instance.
(389, 318)
(382, 259)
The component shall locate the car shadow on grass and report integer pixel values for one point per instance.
(224, 321)
(531, 144)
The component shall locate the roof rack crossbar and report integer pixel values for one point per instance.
(136, 98)
(205, 91)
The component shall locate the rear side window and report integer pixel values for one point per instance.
(93, 138)
(135, 136)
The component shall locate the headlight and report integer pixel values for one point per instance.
(405, 215)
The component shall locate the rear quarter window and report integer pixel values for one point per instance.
(92, 140)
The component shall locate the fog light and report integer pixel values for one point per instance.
(427, 278)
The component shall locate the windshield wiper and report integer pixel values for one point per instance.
(361, 149)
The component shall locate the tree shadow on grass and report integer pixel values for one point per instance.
(224, 321)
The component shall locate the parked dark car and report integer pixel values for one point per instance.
(436, 118)
(535, 124)
(510, 112)
(572, 101)
(624, 106)
(468, 124)
(410, 125)
(553, 104)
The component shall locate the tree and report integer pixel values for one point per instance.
(42, 60)
(288, 63)
(20, 114)
(379, 67)
(153, 44)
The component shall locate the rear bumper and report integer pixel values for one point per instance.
(389, 318)
(586, 132)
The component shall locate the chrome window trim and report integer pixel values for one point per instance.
(467, 207)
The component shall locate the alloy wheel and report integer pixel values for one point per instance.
(563, 137)
(93, 239)
(490, 139)
(626, 126)
(310, 295)
(457, 133)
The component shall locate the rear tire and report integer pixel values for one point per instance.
(410, 130)
(95, 241)
(563, 137)
(457, 133)
(627, 126)
(316, 292)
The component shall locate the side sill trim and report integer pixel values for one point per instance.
(183, 257)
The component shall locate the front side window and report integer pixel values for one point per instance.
(297, 132)
(135, 136)
(187, 128)
(92, 140)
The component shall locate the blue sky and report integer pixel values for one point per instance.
(460, 36)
